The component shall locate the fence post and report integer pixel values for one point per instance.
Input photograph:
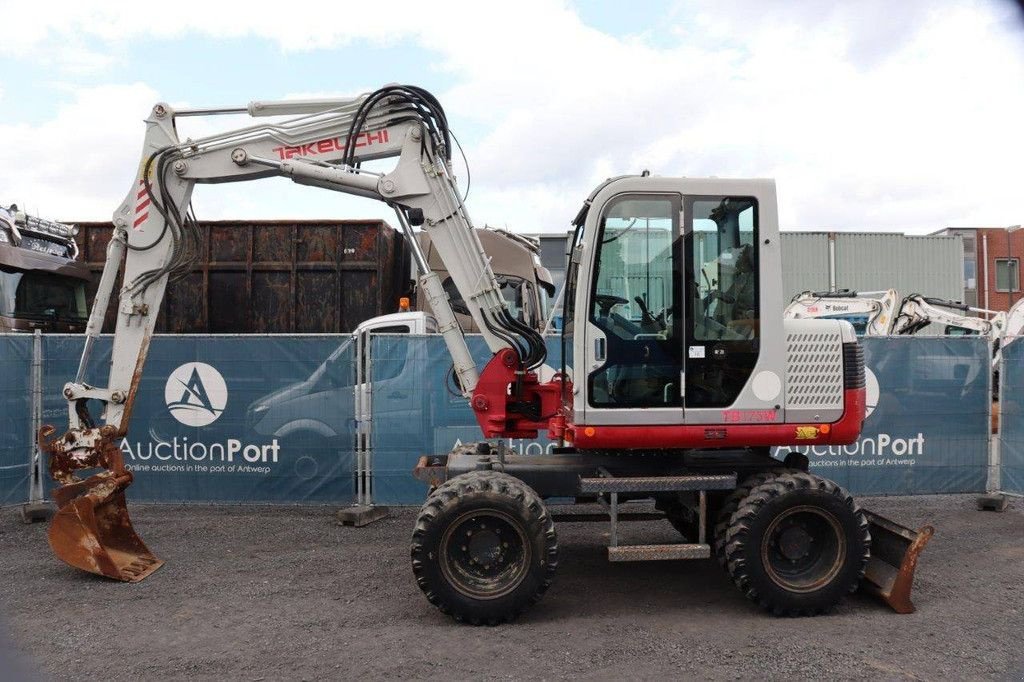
(357, 395)
(36, 509)
(363, 512)
(994, 499)
(992, 482)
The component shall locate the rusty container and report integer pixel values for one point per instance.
(271, 276)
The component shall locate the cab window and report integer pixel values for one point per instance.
(635, 303)
(723, 313)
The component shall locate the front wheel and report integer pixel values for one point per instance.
(797, 544)
(484, 548)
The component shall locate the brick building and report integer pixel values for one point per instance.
(992, 260)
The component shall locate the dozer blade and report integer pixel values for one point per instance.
(894, 552)
(91, 529)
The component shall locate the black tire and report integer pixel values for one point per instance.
(507, 563)
(729, 507)
(797, 544)
(682, 513)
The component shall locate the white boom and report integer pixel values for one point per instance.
(322, 147)
(917, 311)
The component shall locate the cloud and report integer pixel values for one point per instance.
(79, 163)
(872, 115)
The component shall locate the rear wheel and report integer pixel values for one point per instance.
(797, 544)
(484, 548)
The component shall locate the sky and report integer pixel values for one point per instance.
(871, 115)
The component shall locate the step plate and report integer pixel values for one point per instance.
(658, 552)
(657, 484)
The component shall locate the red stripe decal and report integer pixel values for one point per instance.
(143, 205)
(141, 219)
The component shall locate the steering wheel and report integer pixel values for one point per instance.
(606, 302)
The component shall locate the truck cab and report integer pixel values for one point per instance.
(526, 285)
(41, 284)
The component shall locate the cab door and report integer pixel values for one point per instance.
(633, 319)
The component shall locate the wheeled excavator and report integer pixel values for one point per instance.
(673, 387)
(872, 313)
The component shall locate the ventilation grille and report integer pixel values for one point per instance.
(814, 371)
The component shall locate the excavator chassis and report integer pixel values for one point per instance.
(91, 529)
(612, 477)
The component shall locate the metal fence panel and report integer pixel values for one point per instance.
(230, 418)
(928, 425)
(1011, 417)
(271, 418)
(15, 422)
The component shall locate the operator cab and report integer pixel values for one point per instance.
(666, 291)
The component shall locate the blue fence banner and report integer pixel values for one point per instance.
(229, 418)
(272, 419)
(927, 429)
(1011, 417)
(16, 421)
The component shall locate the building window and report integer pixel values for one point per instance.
(1007, 274)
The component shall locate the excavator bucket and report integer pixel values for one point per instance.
(91, 529)
(894, 551)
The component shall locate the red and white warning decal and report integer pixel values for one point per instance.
(142, 203)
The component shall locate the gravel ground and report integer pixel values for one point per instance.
(283, 593)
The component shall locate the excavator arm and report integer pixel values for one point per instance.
(871, 312)
(917, 311)
(154, 233)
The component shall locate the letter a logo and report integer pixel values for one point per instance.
(196, 394)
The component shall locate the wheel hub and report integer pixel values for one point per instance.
(794, 543)
(485, 546)
(485, 554)
(803, 548)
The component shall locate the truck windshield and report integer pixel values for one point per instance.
(517, 292)
(40, 295)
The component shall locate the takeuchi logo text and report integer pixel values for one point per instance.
(333, 144)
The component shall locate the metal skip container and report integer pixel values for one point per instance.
(275, 276)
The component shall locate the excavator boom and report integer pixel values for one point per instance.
(323, 146)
